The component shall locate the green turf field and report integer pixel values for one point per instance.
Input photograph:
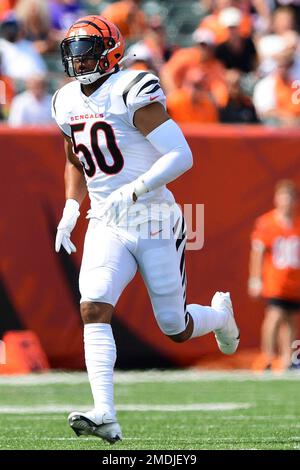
(157, 410)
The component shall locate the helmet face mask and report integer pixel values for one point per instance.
(79, 52)
(92, 48)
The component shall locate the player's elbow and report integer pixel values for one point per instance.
(186, 158)
(189, 158)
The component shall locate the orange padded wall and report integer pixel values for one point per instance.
(235, 169)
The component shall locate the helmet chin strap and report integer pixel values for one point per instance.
(87, 79)
(92, 77)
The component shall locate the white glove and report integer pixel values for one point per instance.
(120, 200)
(66, 225)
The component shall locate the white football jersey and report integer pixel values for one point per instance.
(112, 151)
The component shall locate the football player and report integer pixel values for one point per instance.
(122, 149)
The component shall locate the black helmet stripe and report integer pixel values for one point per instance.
(92, 24)
(107, 25)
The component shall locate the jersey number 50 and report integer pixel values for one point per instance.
(118, 160)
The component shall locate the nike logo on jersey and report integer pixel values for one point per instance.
(153, 97)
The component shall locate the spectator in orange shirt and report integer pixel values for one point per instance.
(193, 102)
(129, 18)
(275, 273)
(275, 98)
(213, 23)
(202, 56)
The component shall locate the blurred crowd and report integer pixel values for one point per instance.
(228, 61)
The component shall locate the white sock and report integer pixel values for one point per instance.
(206, 319)
(100, 358)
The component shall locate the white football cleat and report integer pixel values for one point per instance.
(92, 423)
(228, 337)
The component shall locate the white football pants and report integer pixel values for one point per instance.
(112, 256)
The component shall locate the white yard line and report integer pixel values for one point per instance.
(187, 407)
(126, 407)
(205, 419)
(160, 376)
(180, 439)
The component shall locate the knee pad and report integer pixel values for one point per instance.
(96, 288)
(170, 322)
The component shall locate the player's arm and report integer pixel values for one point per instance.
(256, 268)
(152, 120)
(75, 190)
(167, 138)
(75, 185)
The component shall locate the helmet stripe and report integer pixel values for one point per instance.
(107, 25)
(90, 23)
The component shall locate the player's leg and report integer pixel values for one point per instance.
(162, 264)
(107, 267)
(293, 329)
(274, 315)
(287, 335)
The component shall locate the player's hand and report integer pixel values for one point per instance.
(66, 225)
(117, 203)
(254, 287)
